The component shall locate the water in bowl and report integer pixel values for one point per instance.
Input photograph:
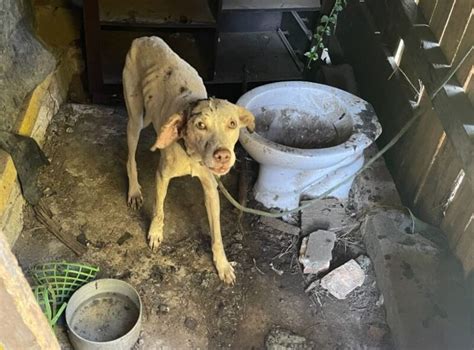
(105, 317)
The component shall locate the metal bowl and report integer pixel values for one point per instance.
(104, 314)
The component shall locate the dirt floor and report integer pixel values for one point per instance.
(185, 304)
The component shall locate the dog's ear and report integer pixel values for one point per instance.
(170, 131)
(246, 118)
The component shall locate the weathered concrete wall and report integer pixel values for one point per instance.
(36, 71)
(24, 61)
(58, 24)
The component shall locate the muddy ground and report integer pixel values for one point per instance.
(186, 305)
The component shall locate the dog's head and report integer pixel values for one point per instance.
(210, 130)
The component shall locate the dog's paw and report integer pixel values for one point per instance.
(135, 200)
(154, 241)
(226, 272)
(155, 234)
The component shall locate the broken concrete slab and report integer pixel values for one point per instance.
(282, 339)
(343, 280)
(324, 214)
(374, 187)
(316, 251)
(280, 226)
(422, 286)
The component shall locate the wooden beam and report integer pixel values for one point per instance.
(440, 17)
(455, 28)
(92, 40)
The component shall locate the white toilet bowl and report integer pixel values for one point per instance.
(306, 133)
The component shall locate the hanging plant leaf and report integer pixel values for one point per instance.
(324, 19)
(327, 26)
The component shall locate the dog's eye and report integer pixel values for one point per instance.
(200, 125)
(232, 124)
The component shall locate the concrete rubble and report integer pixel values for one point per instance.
(324, 214)
(363, 261)
(422, 286)
(280, 225)
(343, 280)
(316, 251)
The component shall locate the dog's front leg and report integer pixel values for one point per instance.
(211, 197)
(155, 234)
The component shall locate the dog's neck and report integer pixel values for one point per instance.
(181, 142)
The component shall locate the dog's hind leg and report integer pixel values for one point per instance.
(134, 102)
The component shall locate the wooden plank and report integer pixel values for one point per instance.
(469, 86)
(440, 17)
(428, 7)
(281, 5)
(156, 13)
(93, 59)
(453, 108)
(458, 215)
(433, 193)
(464, 249)
(23, 324)
(262, 54)
(466, 43)
(424, 138)
(455, 28)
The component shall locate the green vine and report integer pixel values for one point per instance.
(326, 27)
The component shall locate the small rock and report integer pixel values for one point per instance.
(163, 308)
(123, 275)
(380, 301)
(125, 237)
(280, 226)
(99, 244)
(190, 323)
(48, 191)
(282, 339)
(82, 238)
(343, 280)
(316, 251)
(69, 130)
(236, 246)
(363, 261)
(53, 129)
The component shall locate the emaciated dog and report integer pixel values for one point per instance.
(196, 134)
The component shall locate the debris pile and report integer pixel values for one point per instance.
(316, 251)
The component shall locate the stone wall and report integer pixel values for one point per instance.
(24, 61)
(40, 58)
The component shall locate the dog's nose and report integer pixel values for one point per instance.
(222, 155)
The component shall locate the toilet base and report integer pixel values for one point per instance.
(284, 188)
